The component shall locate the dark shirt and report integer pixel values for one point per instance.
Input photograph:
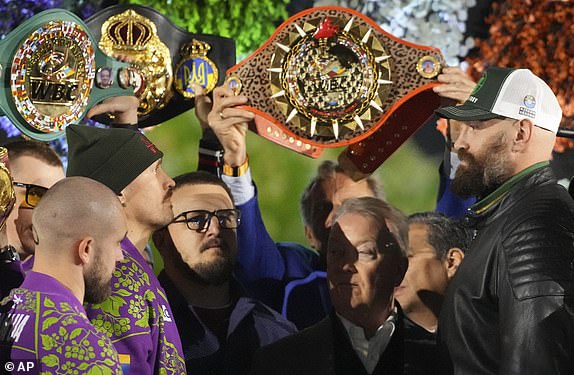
(251, 325)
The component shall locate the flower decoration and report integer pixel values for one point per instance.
(434, 23)
(538, 35)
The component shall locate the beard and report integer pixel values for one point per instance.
(97, 283)
(216, 272)
(483, 173)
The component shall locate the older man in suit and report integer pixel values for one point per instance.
(363, 335)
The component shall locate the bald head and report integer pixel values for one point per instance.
(74, 208)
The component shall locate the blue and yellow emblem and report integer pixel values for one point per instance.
(125, 362)
(195, 67)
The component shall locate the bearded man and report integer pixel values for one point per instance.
(220, 327)
(509, 309)
(77, 228)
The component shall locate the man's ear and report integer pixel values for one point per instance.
(313, 241)
(453, 259)
(522, 135)
(122, 198)
(85, 248)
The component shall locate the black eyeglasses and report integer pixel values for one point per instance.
(199, 220)
(33, 194)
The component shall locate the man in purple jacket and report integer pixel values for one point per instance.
(78, 227)
(137, 315)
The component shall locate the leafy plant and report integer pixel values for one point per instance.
(249, 22)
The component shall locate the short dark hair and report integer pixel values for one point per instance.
(161, 237)
(39, 150)
(444, 233)
(200, 178)
(327, 170)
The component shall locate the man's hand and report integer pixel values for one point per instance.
(457, 85)
(230, 124)
(123, 108)
(203, 105)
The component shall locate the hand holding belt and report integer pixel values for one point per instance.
(164, 58)
(48, 68)
(331, 77)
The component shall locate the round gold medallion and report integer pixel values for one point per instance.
(328, 79)
(428, 66)
(52, 75)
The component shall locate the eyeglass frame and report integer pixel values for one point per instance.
(28, 188)
(210, 214)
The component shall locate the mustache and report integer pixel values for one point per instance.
(464, 155)
(213, 242)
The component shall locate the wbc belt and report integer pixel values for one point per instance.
(164, 58)
(48, 68)
(331, 77)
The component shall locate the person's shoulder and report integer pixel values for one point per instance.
(299, 260)
(307, 339)
(268, 317)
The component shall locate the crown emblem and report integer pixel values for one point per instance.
(129, 31)
(135, 36)
(195, 48)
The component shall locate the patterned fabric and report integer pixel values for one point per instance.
(51, 327)
(138, 319)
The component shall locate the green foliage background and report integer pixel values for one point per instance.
(409, 177)
(249, 22)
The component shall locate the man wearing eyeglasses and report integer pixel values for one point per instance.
(220, 327)
(34, 167)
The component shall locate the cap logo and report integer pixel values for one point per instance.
(529, 101)
(148, 144)
(527, 112)
(479, 84)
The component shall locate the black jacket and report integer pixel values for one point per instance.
(325, 349)
(509, 309)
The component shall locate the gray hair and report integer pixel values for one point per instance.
(381, 212)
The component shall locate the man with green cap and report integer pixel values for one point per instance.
(510, 307)
(137, 315)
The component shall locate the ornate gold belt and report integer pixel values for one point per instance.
(51, 67)
(165, 59)
(331, 77)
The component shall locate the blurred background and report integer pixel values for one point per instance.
(471, 33)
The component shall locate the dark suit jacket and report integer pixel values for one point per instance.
(325, 349)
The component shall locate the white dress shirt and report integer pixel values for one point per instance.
(370, 350)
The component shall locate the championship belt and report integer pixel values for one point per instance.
(51, 71)
(7, 193)
(164, 58)
(331, 77)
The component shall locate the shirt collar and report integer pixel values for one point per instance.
(370, 350)
(501, 191)
(40, 282)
